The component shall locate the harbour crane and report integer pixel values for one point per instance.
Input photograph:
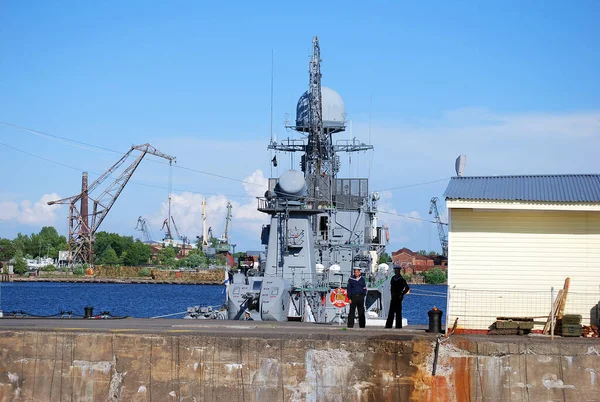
(167, 224)
(225, 237)
(81, 231)
(142, 225)
(440, 225)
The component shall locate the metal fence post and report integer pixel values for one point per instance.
(552, 312)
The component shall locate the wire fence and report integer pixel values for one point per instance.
(479, 309)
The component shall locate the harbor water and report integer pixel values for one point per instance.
(153, 300)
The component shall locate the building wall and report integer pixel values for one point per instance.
(504, 262)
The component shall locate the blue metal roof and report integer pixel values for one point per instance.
(549, 188)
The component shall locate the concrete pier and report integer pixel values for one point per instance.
(189, 360)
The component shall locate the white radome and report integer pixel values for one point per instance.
(334, 110)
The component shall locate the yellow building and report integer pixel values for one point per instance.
(513, 240)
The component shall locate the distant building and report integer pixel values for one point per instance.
(411, 262)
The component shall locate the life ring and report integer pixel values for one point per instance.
(339, 297)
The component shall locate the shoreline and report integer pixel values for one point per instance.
(114, 280)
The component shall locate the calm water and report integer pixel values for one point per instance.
(143, 301)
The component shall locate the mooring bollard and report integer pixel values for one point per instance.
(435, 320)
(89, 312)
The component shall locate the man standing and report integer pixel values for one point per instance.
(399, 288)
(357, 290)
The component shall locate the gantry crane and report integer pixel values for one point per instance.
(142, 225)
(440, 225)
(81, 232)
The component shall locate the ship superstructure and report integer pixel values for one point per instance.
(321, 227)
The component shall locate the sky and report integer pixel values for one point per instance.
(512, 85)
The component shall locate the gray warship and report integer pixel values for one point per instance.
(321, 226)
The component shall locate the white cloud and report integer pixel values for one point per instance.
(186, 209)
(29, 213)
(495, 144)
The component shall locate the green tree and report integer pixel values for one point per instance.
(23, 242)
(434, 276)
(7, 249)
(137, 253)
(118, 243)
(422, 252)
(197, 260)
(20, 266)
(108, 257)
(220, 259)
(385, 258)
(49, 268)
(166, 256)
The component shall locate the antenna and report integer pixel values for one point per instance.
(459, 165)
(272, 69)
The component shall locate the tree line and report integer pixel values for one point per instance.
(109, 249)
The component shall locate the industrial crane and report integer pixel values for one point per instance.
(440, 225)
(142, 225)
(81, 232)
(168, 226)
(225, 237)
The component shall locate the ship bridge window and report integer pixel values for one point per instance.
(323, 227)
(355, 187)
(275, 291)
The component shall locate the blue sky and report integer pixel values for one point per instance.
(513, 85)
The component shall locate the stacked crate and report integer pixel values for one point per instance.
(571, 325)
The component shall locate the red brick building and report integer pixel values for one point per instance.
(410, 261)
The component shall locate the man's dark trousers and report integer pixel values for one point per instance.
(358, 301)
(395, 309)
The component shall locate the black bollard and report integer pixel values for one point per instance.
(435, 320)
(89, 312)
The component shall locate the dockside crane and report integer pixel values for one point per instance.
(225, 237)
(81, 231)
(440, 225)
(142, 225)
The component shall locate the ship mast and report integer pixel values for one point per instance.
(318, 150)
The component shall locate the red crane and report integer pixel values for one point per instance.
(81, 232)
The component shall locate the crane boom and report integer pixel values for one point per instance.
(175, 227)
(227, 220)
(142, 225)
(440, 226)
(81, 233)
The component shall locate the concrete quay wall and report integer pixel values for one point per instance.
(102, 366)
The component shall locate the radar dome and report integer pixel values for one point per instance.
(334, 111)
(335, 268)
(320, 268)
(291, 184)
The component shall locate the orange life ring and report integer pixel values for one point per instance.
(339, 297)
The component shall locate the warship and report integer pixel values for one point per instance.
(321, 227)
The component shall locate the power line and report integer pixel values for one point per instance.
(81, 144)
(59, 138)
(416, 184)
(408, 217)
(131, 181)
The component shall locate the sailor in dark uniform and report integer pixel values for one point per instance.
(399, 288)
(357, 290)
